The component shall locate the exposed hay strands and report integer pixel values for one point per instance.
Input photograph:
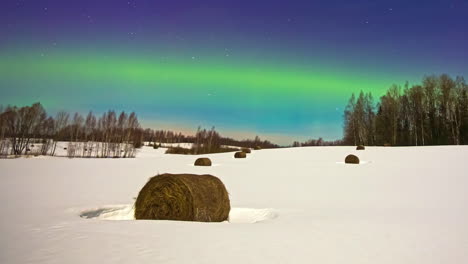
(183, 197)
(240, 155)
(352, 159)
(203, 162)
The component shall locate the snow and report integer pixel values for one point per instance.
(298, 205)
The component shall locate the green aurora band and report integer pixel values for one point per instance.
(279, 97)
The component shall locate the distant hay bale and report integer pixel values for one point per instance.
(360, 147)
(257, 148)
(240, 155)
(155, 146)
(246, 150)
(387, 145)
(352, 159)
(183, 197)
(203, 162)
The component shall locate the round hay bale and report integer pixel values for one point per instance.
(183, 197)
(203, 162)
(257, 148)
(155, 147)
(240, 155)
(352, 159)
(387, 145)
(246, 150)
(360, 147)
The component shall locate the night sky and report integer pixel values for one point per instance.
(280, 69)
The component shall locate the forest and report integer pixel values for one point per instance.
(29, 130)
(434, 112)
(110, 135)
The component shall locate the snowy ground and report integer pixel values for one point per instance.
(301, 205)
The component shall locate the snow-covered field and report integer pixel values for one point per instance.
(300, 205)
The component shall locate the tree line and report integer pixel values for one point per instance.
(29, 130)
(204, 141)
(320, 142)
(434, 112)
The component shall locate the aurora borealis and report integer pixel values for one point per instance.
(269, 68)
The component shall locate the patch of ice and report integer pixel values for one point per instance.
(127, 212)
(250, 215)
(118, 212)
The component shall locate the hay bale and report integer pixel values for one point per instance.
(257, 148)
(360, 147)
(155, 147)
(246, 150)
(352, 159)
(387, 145)
(240, 155)
(203, 162)
(183, 197)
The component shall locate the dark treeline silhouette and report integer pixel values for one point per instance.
(249, 143)
(29, 130)
(317, 143)
(204, 141)
(163, 136)
(432, 113)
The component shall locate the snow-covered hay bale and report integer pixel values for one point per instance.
(360, 147)
(352, 159)
(240, 155)
(183, 197)
(246, 150)
(203, 162)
